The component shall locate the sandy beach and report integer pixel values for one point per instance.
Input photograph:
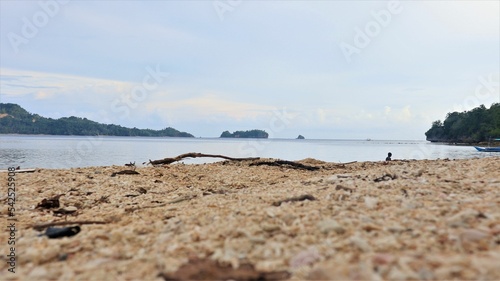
(398, 220)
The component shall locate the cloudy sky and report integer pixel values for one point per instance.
(323, 69)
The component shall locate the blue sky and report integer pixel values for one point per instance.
(323, 69)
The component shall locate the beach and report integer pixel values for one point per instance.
(245, 220)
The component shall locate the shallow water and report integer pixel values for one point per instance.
(30, 151)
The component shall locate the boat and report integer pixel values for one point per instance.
(489, 148)
(18, 171)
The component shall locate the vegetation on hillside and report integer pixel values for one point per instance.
(16, 120)
(476, 125)
(245, 134)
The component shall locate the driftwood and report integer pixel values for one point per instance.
(42, 226)
(278, 163)
(289, 164)
(167, 161)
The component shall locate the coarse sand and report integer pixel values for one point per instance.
(425, 220)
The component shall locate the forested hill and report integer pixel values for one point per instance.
(260, 134)
(16, 120)
(476, 125)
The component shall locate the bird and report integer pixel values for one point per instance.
(388, 158)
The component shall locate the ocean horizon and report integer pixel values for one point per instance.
(59, 152)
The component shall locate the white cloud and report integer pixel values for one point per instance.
(41, 95)
(210, 105)
(52, 85)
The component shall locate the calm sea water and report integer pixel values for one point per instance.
(73, 151)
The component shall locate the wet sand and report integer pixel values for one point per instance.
(426, 219)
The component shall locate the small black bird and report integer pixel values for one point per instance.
(388, 158)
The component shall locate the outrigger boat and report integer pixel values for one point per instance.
(489, 148)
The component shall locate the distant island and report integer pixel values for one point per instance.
(16, 120)
(301, 137)
(474, 126)
(259, 134)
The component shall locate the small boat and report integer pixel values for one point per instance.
(489, 148)
(18, 171)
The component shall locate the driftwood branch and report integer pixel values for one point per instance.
(289, 164)
(42, 226)
(167, 161)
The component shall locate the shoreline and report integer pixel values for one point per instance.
(418, 219)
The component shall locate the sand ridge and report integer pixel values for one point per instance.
(426, 219)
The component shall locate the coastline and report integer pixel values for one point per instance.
(418, 219)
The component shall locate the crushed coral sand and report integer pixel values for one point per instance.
(426, 220)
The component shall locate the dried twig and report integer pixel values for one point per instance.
(294, 199)
(125, 172)
(341, 187)
(177, 200)
(180, 199)
(167, 161)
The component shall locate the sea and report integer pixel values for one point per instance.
(59, 152)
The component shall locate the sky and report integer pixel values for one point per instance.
(322, 69)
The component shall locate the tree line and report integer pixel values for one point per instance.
(473, 126)
(16, 120)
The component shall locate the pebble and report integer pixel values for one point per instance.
(306, 257)
(473, 235)
(463, 218)
(329, 225)
(70, 209)
(270, 227)
(382, 258)
(371, 202)
(361, 244)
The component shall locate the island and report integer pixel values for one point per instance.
(301, 137)
(258, 134)
(467, 127)
(16, 120)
